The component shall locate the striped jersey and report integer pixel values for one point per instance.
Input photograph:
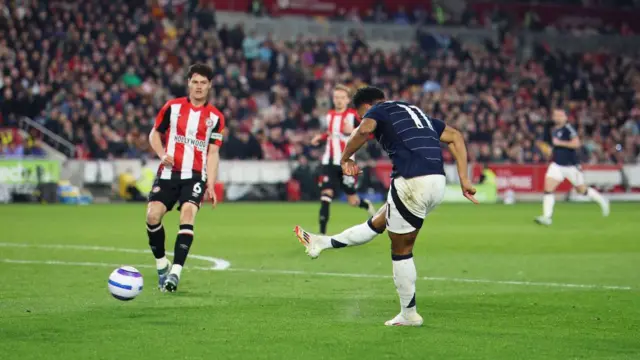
(410, 138)
(188, 131)
(563, 155)
(339, 127)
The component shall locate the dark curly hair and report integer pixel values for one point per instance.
(367, 95)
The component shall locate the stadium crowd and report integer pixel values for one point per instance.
(96, 73)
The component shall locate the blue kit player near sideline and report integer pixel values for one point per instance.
(565, 165)
(412, 141)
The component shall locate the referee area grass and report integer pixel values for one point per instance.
(493, 285)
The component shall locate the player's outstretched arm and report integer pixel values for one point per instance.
(213, 161)
(358, 138)
(454, 139)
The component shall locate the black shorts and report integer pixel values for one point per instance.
(181, 191)
(333, 179)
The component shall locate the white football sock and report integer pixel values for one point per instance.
(548, 200)
(323, 241)
(176, 269)
(162, 263)
(404, 276)
(356, 235)
(597, 197)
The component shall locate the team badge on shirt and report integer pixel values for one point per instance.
(211, 121)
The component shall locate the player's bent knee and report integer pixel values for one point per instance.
(328, 193)
(550, 184)
(379, 222)
(188, 213)
(153, 218)
(581, 189)
(326, 197)
(353, 200)
(155, 212)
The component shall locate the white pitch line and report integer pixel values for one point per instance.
(310, 273)
(217, 263)
(67, 263)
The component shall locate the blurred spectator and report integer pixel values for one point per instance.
(257, 8)
(439, 14)
(206, 15)
(379, 11)
(401, 17)
(242, 145)
(304, 174)
(341, 15)
(251, 47)
(354, 15)
(468, 17)
(532, 21)
(13, 151)
(14, 144)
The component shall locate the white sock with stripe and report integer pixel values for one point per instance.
(404, 277)
(162, 263)
(354, 236)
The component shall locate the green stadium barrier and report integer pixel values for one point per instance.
(25, 171)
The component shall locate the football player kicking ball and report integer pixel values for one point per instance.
(192, 130)
(565, 165)
(412, 141)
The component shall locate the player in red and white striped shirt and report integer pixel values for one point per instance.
(340, 122)
(191, 130)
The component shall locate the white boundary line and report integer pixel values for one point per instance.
(221, 264)
(217, 264)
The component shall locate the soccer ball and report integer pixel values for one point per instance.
(125, 283)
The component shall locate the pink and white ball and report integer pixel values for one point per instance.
(125, 283)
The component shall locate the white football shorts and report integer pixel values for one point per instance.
(410, 200)
(571, 173)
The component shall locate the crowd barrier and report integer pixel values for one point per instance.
(271, 179)
(526, 181)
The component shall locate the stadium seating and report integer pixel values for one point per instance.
(86, 73)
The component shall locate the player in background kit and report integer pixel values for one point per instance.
(340, 122)
(565, 165)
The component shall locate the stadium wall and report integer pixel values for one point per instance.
(318, 7)
(393, 36)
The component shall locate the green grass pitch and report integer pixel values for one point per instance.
(493, 286)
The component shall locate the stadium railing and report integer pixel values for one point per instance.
(56, 142)
(266, 180)
(271, 180)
